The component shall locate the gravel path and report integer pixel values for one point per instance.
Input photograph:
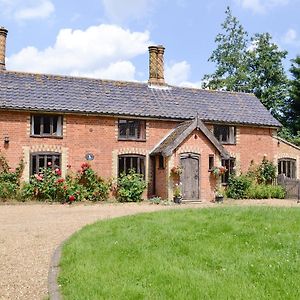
(30, 233)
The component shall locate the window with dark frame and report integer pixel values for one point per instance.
(132, 130)
(46, 125)
(287, 166)
(131, 162)
(225, 134)
(229, 164)
(44, 160)
(161, 162)
(211, 161)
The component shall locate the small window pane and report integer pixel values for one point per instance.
(161, 162)
(55, 125)
(37, 125)
(122, 128)
(33, 165)
(121, 165)
(211, 161)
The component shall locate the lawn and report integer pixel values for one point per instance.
(217, 253)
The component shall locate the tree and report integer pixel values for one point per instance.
(295, 96)
(267, 78)
(229, 56)
(254, 66)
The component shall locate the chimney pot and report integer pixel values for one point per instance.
(156, 65)
(3, 35)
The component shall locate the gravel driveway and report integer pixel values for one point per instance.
(30, 233)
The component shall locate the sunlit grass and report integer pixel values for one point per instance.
(220, 253)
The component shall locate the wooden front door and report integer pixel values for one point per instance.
(190, 176)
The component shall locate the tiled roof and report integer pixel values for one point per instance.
(52, 93)
(181, 132)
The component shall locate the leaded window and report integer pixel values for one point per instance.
(132, 129)
(287, 166)
(225, 134)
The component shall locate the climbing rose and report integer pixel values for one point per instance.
(38, 177)
(49, 163)
(58, 171)
(60, 180)
(71, 198)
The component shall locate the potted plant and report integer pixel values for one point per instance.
(218, 171)
(177, 195)
(219, 194)
(176, 172)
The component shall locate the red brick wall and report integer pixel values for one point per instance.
(98, 135)
(82, 134)
(253, 143)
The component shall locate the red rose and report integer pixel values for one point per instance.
(60, 180)
(71, 198)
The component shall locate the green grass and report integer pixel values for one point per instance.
(221, 253)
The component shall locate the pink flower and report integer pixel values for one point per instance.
(71, 198)
(49, 163)
(58, 171)
(38, 177)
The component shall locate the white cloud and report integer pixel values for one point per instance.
(27, 9)
(261, 6)
(177, 73)
(291, 38)
(120, 10)
(99, 51)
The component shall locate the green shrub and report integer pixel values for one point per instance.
(266, 172)
(263, 191)
(97, 189)
(130, 187)
(278, 192)
(9, 180)
(237, 186)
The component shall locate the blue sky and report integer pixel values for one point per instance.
(109, 38)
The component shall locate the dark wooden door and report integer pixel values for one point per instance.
(190, 176)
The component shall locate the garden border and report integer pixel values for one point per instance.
(53, 287)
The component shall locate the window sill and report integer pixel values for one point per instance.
(225, 143)
(131, 140)
(46, 137)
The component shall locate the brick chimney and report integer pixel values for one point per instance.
(3, 34)
(156, 65)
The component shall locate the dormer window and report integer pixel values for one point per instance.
(132, 130)
(225, 134)
(46, 125)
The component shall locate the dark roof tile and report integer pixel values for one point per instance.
(83, 95)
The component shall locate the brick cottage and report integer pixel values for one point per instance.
(151, 127)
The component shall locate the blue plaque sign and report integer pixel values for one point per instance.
(89, 156)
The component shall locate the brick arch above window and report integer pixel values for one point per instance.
(28, 150)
